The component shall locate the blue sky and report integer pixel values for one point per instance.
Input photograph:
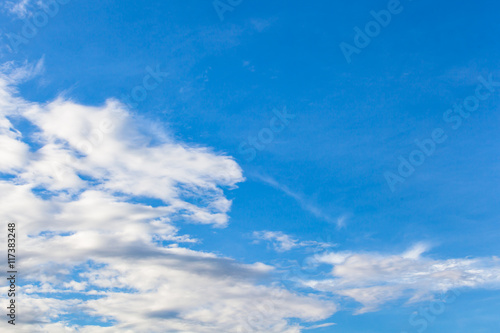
(258, 143)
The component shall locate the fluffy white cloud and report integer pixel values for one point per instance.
(373, 279)
(78, 188)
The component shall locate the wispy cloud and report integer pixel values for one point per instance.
(304, 202)
(320, 326)
(373, 279)
(19, 8)
(282, 242)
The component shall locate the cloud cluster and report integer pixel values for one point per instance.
(373, 279)
(98, 198)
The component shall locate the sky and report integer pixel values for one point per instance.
(251, 166)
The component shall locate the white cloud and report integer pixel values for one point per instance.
(27, 8)
(320, 326)
(19, 8)
(373, 279)
(279, 240)
(85, 228)
(282, 242)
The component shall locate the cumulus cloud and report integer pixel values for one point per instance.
(373, 279)
(99, 201)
